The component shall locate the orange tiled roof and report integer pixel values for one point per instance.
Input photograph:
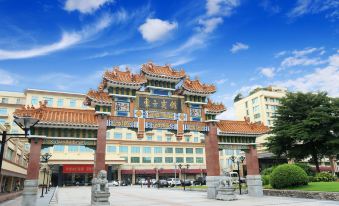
(99, 97)
(163, 71)
(214, 107)
(197, 86)
(242, 127)
(49, 115)
(125, 77)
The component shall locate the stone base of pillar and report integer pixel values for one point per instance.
(254, 185)
(29, 195)
(226, 194)
(100, 199)
(212, 183)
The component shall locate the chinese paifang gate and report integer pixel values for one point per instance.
(158, 98)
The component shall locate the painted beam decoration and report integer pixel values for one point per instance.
(160, 125)
(233, 147)
(196, 127)
(57, 141)
(122, 122)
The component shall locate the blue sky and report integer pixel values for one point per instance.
(235, 44)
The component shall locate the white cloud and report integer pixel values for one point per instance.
(156, 29)
(279, 54)
(209, 25)
(221, 81)
(7, 78)
(181, 61)
(85, 6)
(268, 72)
(221, 7)
(68, 39)
(304, 7)
(322, 79)
(238, 47)
(301, 61)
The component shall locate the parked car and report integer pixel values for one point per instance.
(235, 178)
(113, 183)
(125, 183)
(186, 183)
(142, 181)
(200, 181)
(173, 182)
(161, 183)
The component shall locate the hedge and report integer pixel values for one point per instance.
(288, 175)
(324, 177)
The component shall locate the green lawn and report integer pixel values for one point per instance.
(315, 186)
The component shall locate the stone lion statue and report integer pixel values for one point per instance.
(100, 183)
(225, 182)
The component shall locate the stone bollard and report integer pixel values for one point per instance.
(254, 185)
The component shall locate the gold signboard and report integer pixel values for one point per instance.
(69, 142)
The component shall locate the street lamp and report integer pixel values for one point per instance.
(25, 123)
(184, 169)
(238, 160)
(44, 159)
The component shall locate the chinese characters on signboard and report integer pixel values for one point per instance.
(151, 103)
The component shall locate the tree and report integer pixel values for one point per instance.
(238, 97)
(306, 125)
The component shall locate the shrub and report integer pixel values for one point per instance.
(307, 168)
(265, 179)
(288, 175)
(268, 171)
(311, 179)
(324, 177)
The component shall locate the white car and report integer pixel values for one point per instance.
(173, 182)
(113, 184)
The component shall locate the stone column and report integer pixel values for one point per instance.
(29, 194)
(254, 183)
(212, 161)
(100, 151)
(119, 174)
(133, 176)
(157, 174)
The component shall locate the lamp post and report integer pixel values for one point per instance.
(238, 160)
(44, 159)
(25, 123)
(184, 169)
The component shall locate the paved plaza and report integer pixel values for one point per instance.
(136, 196)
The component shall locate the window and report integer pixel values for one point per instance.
(256, 116)
(135, 150)
(229, 152)
(255, 100)
(111, 148)
(267, 114)
(45, 150)
(135, 159)
(159, 138)
(187, 139)
(4, 100)
(268, 122)
(129, 136)
(85, 149)
(147, 150)
(60, 103)
(179, 159)
(196, 139)
(3, 111)
(34, 100)
(246, 104)
(146, 160)
(49, 101)
(157, 150)
(168, 150)
(72, 103)
(189, 150)
(168, 139)
(149, 138)
(199, 160)
(9, 154)
(58, 148)
(108, 134)
(168, 159)
(179, 150)
(117, 135)
(123, 149)
(73, 148)
(189, 160)
(255, 109)
(247, 112)
(2, 121)
(157, 159)
(199, 150)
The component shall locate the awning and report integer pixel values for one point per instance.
(147, 171)
(168, 171)
(192, 171)
(126, 172)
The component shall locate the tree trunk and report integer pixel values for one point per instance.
(316, 161)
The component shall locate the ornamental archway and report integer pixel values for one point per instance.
(143, 102)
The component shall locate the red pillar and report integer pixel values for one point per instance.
(100, 151)
(252, 162)
(212, 151)
(34, 159)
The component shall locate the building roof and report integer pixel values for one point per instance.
(196, 86)
(241, 127)
(59, 116)
(214, 108)
(162, 71)
(51, 91)
(124, 77)
(99, 97)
